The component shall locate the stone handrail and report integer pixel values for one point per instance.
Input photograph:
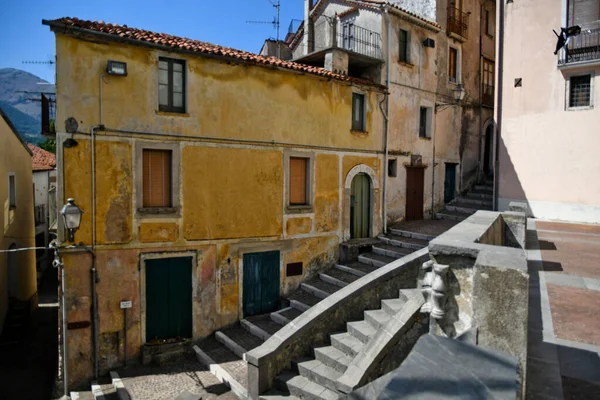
(313, 326)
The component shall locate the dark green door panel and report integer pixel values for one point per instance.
(169, 298)
(450, 183)
(261, 283)
(360, 206)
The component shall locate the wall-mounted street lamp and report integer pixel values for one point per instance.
(71, 214)
(458, 92)
(118, 68)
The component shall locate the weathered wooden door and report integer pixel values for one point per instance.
(360, 206)
(414, 193)
(487, 154)
(450, 183)
(168, 298)
(261, 283)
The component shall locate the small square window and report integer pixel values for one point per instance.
(580, 91)
(12, 192)
(358, 112)
(425, 117)
(171, 85)
(404, 40)
(392, 168)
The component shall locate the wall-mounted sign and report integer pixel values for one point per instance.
(126, 304)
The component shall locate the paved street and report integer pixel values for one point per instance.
(564, 328)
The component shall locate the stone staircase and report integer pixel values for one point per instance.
(223, 352)
(479, 198)
(321, 376)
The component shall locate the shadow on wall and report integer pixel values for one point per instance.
(509, 186)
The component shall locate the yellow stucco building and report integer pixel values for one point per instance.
(18, 285)
(203, 173)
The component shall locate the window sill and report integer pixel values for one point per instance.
(158, 210)
(299, 209)
(362, 133)
(409, 65)
(172, 114)
(583, 108)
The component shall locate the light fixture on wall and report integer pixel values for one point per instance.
(118, 68)
(458, 93)
(71, 214)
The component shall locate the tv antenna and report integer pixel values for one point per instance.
(49, 62)
(275, 23)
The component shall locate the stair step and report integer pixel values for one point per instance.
(357, 268)
(304, 388)
(451, 215)
(409, 234)
(223, 363)
(401, 241)
(377, 318)
(316, 371)
(341, 277)
(277, 395)
(362, 330)
(238, 340)
(391, 251)
(319, 287)
(474, 200)
(285, 316)
(471, 206)
(346, 343)
(463, 210)
(262, 327)
(376, 260)
(486, 187)
(482, 194)
(333, 357)
(392, 306)
(302, 300)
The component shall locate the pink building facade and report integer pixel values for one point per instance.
(548, 109)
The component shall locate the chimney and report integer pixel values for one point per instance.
(308, 31)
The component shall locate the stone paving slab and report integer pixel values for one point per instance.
(575, 313)
(166, 382)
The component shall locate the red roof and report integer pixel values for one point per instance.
(42, 160)
(124, 32)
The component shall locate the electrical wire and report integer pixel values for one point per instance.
(25, 249)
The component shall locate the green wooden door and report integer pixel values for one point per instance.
(450, 183)
(169, 298)
(261, 283)
(360, 206)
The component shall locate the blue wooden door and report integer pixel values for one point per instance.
(261, 283)
(450, 183)
(168, 298)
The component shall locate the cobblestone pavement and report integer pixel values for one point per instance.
(167, 381)
(564, 329)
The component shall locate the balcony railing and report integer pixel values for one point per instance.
(584, 47)
(360, 40)
(458, 22)
(488, 95)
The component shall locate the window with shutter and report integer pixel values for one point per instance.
(404, 40)
(358, 112)
(171, 85)
(585, 13)
(157, 178)
(298, 181)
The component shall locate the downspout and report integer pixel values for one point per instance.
(93, 271)
(500, 75)
(386, 114)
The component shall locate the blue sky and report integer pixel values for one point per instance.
(23, 37)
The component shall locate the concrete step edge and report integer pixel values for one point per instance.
(119, 386)
(254, 330)
(221, 374)
(330, 279)
(278, 318)
(399, 243)
(361, 330)
(350, 270)
(371, 261)
(299, 305)
(314, 290)
(230, 344)
(461, 209)
(377, 318)
(410, 234)
(339, 363)
(387, 252)
(327, 377)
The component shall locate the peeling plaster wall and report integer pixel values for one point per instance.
(423, 8)
(232, 193)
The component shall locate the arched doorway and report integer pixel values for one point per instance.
(488, 168)
(360, 206)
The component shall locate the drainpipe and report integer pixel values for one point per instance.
(500, 75)
(57, 263)
(433, 170)
(386, 114)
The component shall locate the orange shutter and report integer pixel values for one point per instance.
(157, 178)
(298, 181)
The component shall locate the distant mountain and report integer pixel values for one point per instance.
(27, 126)
(24, 113)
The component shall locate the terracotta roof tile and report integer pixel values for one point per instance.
(42, 160)
(197, 46)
